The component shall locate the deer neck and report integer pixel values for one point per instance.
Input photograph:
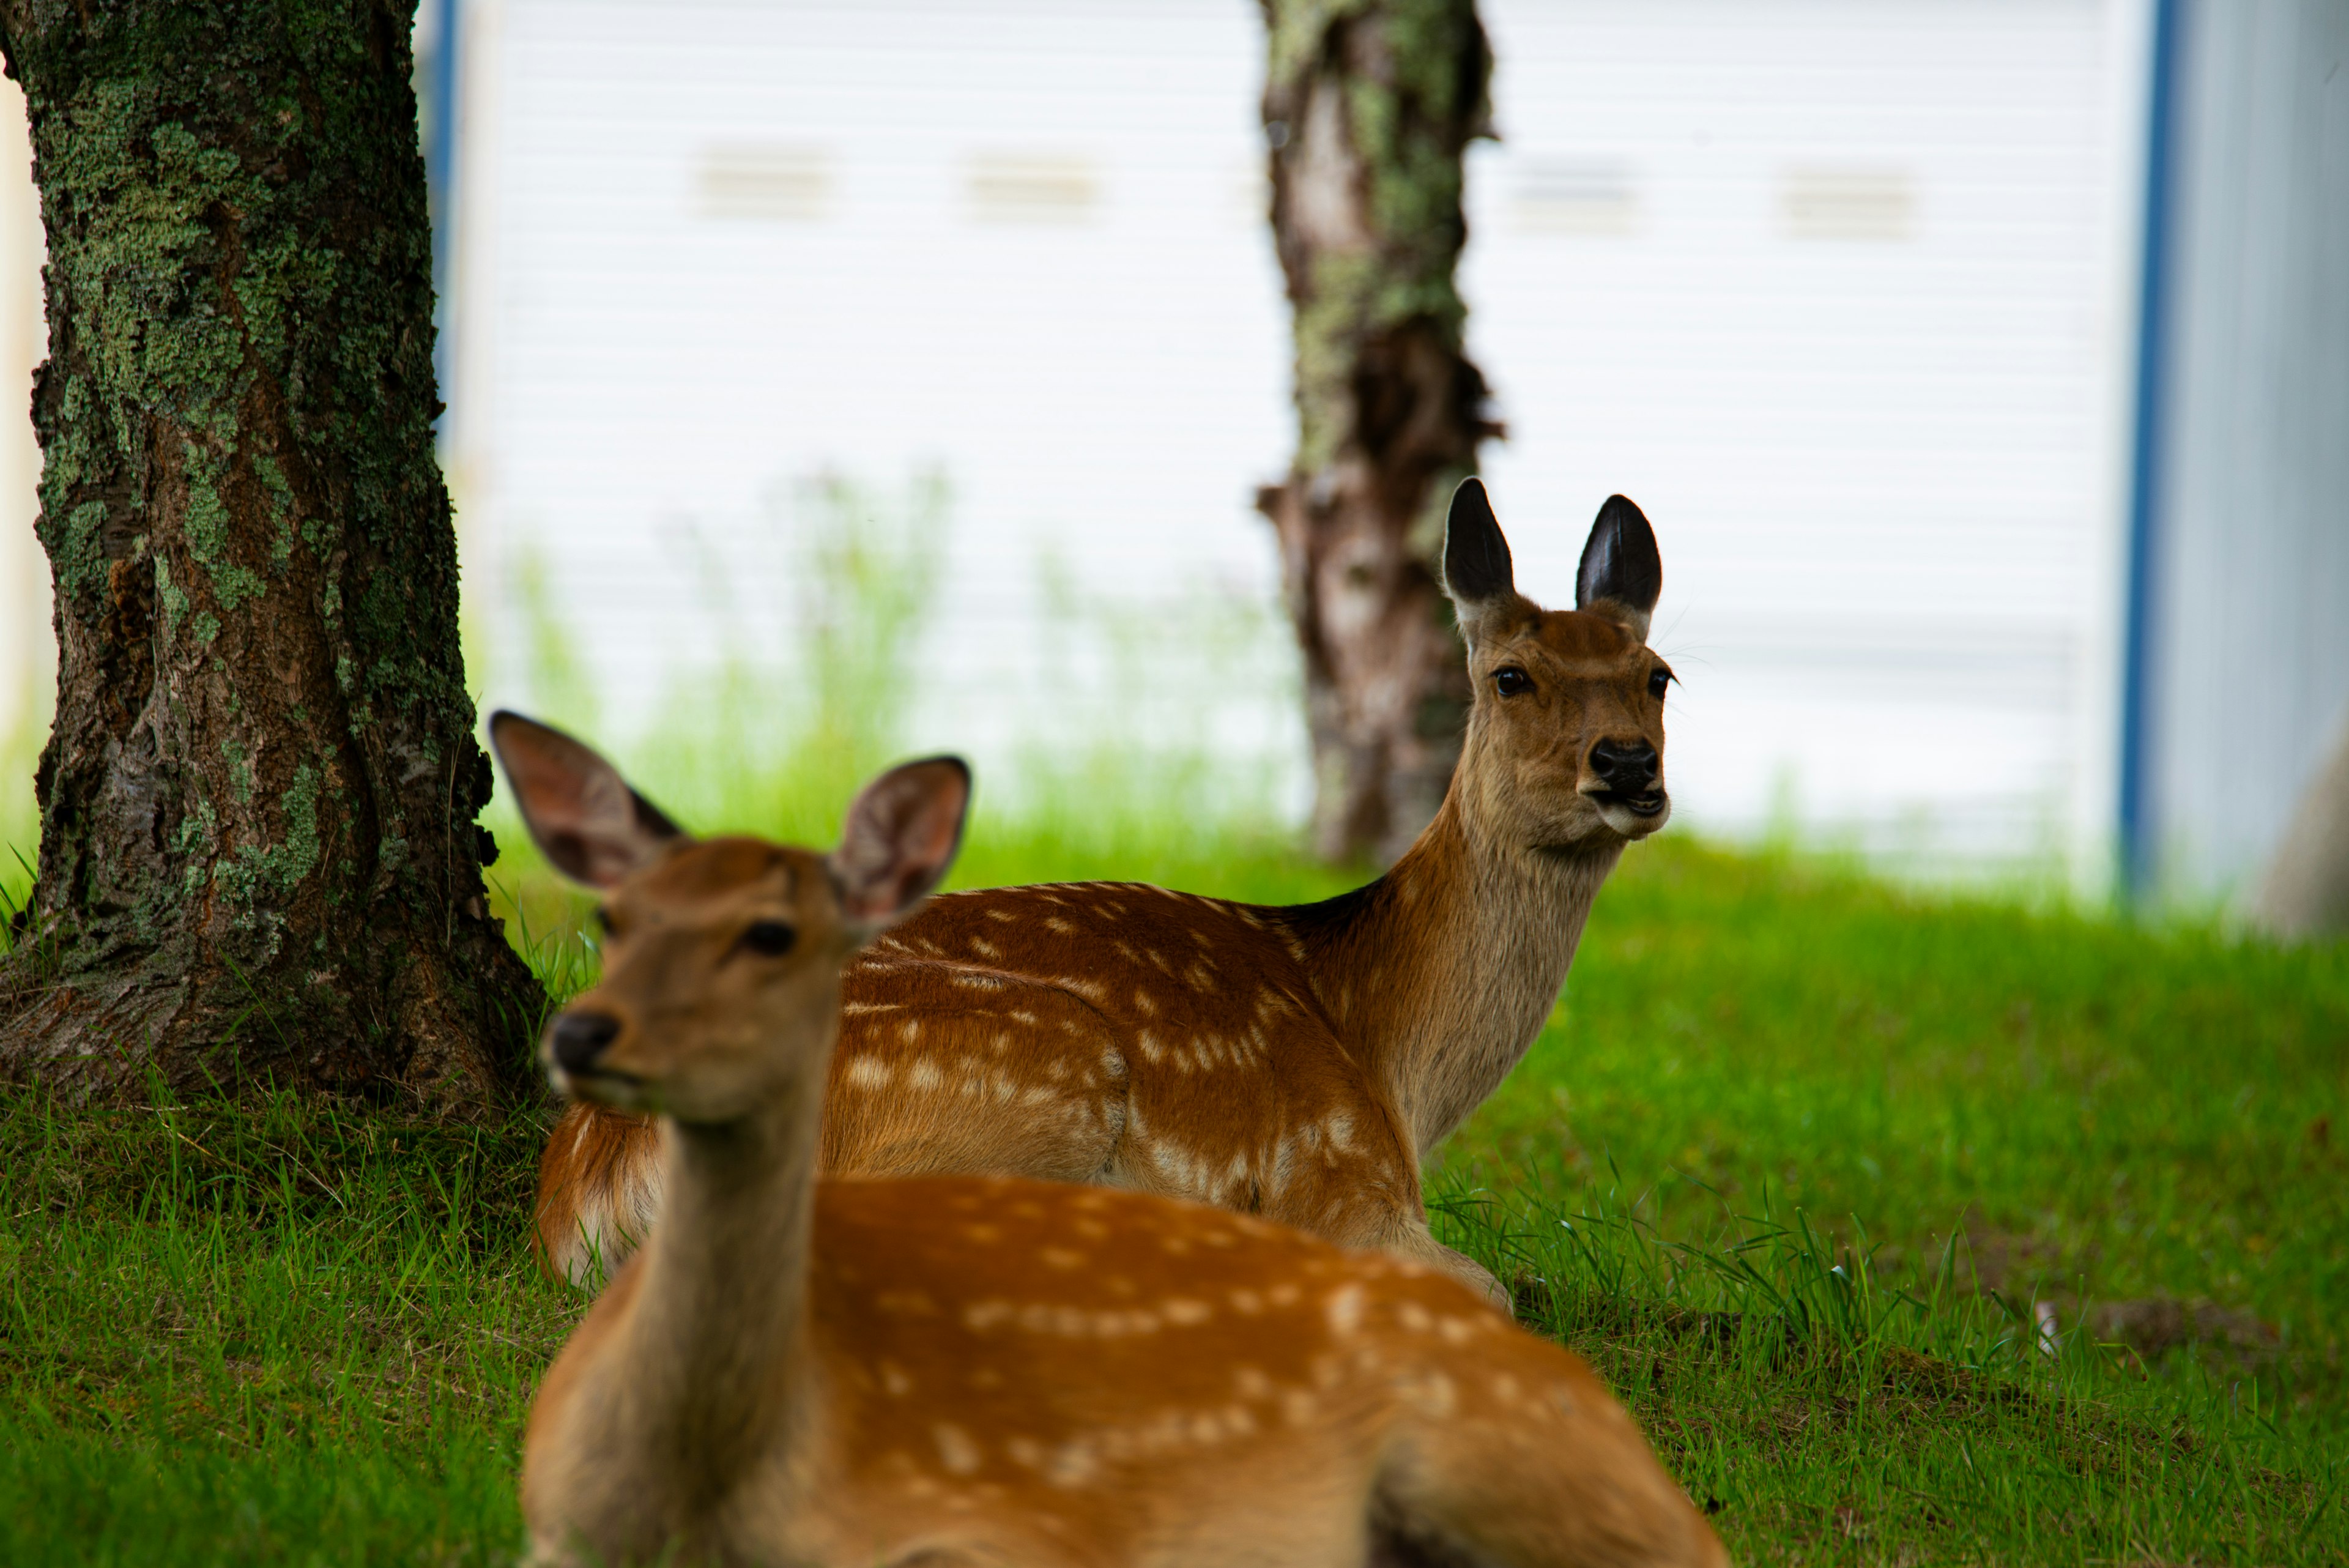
(1441, 973)
(715, 1353)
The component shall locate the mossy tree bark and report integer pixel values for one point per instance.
(1368, 107)
(258, 858)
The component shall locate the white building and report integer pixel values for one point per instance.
(1845, 293)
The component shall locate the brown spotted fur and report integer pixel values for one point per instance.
(1293, 1063)
(956, 1372)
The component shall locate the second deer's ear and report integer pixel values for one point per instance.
(1621, 572)
(901, 836)
(581, 812)
(1477, 572)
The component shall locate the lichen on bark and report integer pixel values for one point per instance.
(259, 854)
(1368, 107)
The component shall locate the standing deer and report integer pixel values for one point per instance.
(1292, 1063)
(954, 1371)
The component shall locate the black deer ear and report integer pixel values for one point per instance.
(1477, 573)
(592, 825)
(1476, 567)
(1621, 571)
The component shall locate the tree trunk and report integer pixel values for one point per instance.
(258, 851)
(2305, 891)
(1367, 106)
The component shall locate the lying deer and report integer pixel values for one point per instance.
(1292, 1063)
(962, 1371)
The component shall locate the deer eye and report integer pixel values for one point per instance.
(1512, 681)
(769, 939)
(1658, 681)
(602, 919)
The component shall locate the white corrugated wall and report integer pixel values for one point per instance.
(1839, 291)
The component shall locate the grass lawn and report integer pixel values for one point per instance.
(1913, 1230)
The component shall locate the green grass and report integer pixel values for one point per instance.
(1785, 1131)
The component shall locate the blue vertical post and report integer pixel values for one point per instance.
(441, 177)
(2139, 824)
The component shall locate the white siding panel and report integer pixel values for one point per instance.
(1880, 466)
(1880, 462)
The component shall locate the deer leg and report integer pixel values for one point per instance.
(1412, 1239)
(1385, 1217)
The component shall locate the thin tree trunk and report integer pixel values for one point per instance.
(2305, 889)
(258, 849)
(1367, 106)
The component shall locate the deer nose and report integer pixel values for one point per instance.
(1628, 766)
(580, 1037)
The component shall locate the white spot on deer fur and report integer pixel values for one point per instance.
(971, 981)
(1344, 1309)
(1061, 1258)
(1006, 916)
(853, 1009)
(1252, 1383)
(1283, 1295)
(955, 1450)
(1148, 1044)
(1185, 1313)
(1414, 1317)
(924, 1074)
(987, 1235)
(1021, 1016)
(910, 1031)
(867, 1073)
(1247, 1301)
(985, 948)
(1456, 1330)
(1201, 977)
(1339, 1127)
(1042, 1317)
(981, 1317)
(1145, 1005)
(1072, 1464)
(894, 1381)
(1055, 924)
(1297, 1405)
(1505, 1388)
(1434, 1395)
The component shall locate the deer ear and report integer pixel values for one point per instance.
(1477, 572)
(1621, 574)
(901, 836)
(592, 825)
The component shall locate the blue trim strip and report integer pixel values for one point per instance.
(2139, 830)
(440, 179)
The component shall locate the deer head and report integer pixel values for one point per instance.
(1565, 738)
(716, 949)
